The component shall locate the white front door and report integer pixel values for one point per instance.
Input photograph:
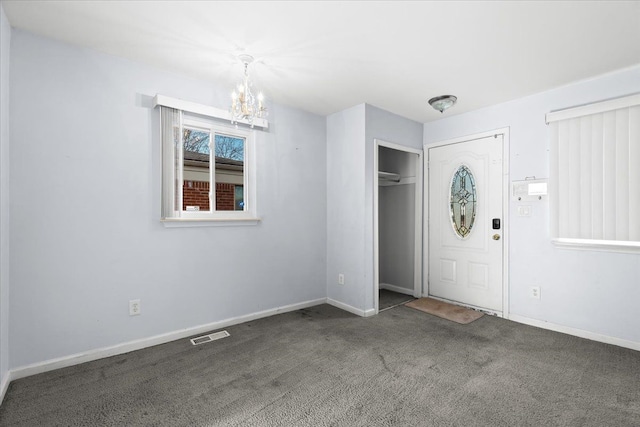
(465, 222)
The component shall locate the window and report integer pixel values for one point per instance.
(463, 200)
(595, 174)
(206, 168)
(239, 198)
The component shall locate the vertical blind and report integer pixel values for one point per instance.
(171, 136)
(595, 171)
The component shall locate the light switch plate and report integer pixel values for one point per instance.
(524, 210)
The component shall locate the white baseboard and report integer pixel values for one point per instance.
(101, 353)
(593, 336)
(4, 385)
(351, 309)
(370, 312)
(395, 288)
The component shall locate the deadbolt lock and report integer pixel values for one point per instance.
(496, 237)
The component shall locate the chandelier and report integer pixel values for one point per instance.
(244, 105)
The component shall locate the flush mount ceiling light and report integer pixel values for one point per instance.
(244, 105)
(443, 102)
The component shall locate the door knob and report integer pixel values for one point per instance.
(496, 237)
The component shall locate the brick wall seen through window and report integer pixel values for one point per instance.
(196, 193)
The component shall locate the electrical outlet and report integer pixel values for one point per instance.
(341, 279)
(534, 292)
(134, 307)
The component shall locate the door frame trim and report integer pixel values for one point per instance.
(419, 203)
(505, 209)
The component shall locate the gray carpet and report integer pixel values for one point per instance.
(324, 367)
(388, 299)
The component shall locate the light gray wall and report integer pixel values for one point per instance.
(396, 224)
(588, 290)
(5, 46)
(346, 205)
(350, 183)
(381, 124)
(85, 231)
(397, 161)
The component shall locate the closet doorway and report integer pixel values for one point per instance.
(397, 224)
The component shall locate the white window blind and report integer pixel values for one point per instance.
(595, 171)
(171, 131)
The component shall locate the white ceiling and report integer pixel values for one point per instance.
(324, 57)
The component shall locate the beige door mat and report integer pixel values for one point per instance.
(445, 310)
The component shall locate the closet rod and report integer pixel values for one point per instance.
(389, 176)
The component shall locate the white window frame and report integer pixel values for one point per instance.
(248, 216)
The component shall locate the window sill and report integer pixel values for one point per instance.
(208, 222)
(620, 246)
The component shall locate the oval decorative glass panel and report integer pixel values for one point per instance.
(463, 200)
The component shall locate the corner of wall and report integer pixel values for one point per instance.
(350, 135)
(345, 205)
(5, 46)
(390, 127)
